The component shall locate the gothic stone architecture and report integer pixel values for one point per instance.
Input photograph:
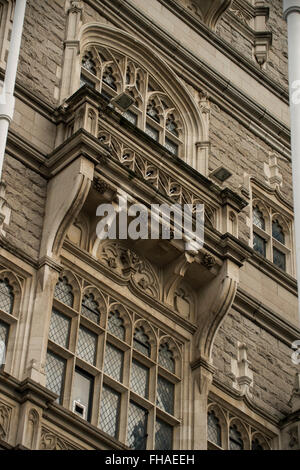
(140, 344)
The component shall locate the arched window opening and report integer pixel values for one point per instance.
(235, 439)
(258, 218)
(90, 308)
(214, 434)
(6, 296)
(63, 292)
(141, 341)
(256, 445)
(166, 358)
(116, 324)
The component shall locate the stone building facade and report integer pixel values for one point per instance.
(141, 344)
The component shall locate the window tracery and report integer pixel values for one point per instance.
(120, 351)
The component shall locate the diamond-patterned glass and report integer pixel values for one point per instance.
(90, 308)
(109, 78)
(165, 395)
(213, 429)
(6, 296)
(113, 365)
(163, 435)
(165, 358)
(171, 146)
(88, 63)
(139, 379)
(3, 340)
(86, 345)
(235, 439)
(141, 342)
(116, 324)
(63, 292)
(59, 330)
(152, 132)
(110, 411)
(55, 370)
(258, 218)
(171, 125)
(137, 427)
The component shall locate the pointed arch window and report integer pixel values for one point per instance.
(235, 439)
(141, 341)
(214, 434)
(111, 73)
(6, 296)
(166, 357)
(116, 324)
(90, 308)
(256, 445)
(63, 292)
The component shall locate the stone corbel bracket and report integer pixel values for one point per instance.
(212, 10)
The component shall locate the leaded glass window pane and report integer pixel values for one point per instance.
(141, 342)
(88, 63)
(256, 445)
(165, 395)
(59, 330)
(109, 78)
(163, 435)
(137, 427)
(131, 117)
(213, 429)
(171, 146)
(116, 324)
(258, 218)
(63, 292)
(171, 125)
(259, 244)
(113, 365)
(152, 132)
(6, 296)
(55, 371)
(165, 358)
(3, 341)
(139, 379)
(279, 258)
(86, 345)
(235, 439)
(152, 111)
(90, 308)
(110, 411)
(86, 81)
(277, 232)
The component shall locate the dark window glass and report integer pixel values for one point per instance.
(108, 78)
(235, 439)
(4, 328)
(86, 81)
(213, 429)
(256, 445)
(152, 111)
(277, 232)
(137, 427)
(163, 435)
(116, 324)
(259, 244)
(165, 358)
(88, 63)
(90, 308)
(141, 342)
(171, 146)
(258, 218)
(279, 259)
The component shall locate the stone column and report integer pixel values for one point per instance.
(291, 9)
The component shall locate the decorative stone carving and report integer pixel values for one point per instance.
(5, 415)
(130, 266)
(32, 429)
(241, 373)
(208, 261)
(100, 186)
(210, 11)
(50, 441)
(272, 171)
(5, 210)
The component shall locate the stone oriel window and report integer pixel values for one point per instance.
(272, 236)
(112, 73)
(111, 373)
